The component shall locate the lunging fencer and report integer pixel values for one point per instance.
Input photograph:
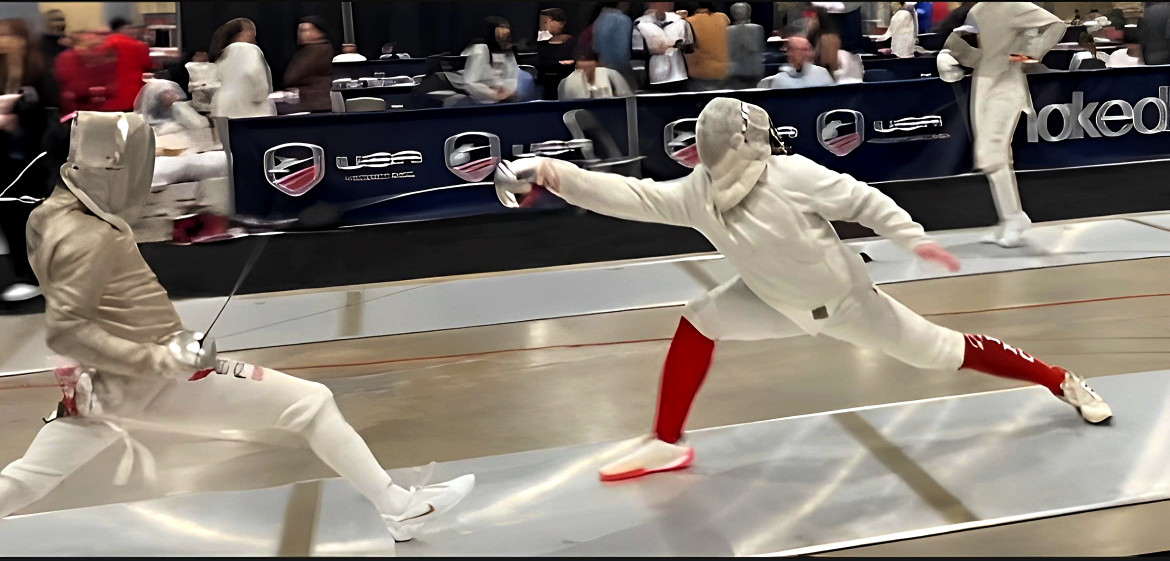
(768, 213)
(1010, 35)
(106, 310)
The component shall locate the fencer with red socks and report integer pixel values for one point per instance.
(769, 214)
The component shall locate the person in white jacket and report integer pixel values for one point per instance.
(1010, 35)
(903, 31)
(769, 214)
(244, 77)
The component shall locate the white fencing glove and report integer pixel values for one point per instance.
(517, 178)
(189, 352)
(948, 67)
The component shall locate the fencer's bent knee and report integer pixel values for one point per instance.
(298, 416)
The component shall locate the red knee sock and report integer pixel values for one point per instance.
(992, 356)
(687, 363)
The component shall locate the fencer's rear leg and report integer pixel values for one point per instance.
(59, 449)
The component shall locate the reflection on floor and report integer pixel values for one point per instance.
(259, 321)
(787, 486)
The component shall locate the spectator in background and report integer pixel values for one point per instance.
(590, 81)
(1089, 58)
(349, 53)
(27, 92)
(311, 69)
(923, 12)
(956, 18)
(245, 81)
(1130, 55)
(554, 57)
(85, 73)
(612, 32)
(1154, 33)
(53, 41)
(491, 74)
(133, 60)
(707, 62)
(903, 31)
(666, 36)
(799, 72)
(745, 48)
(822, 34)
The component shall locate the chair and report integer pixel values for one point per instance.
(336, 102)
(583, 124)
(364, 104)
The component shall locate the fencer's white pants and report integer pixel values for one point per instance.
(995, 114)
(220, 401)
(867, 318)
(169, 170)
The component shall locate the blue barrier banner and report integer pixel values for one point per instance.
(874, 131)
(1095, 117)
(436, 163)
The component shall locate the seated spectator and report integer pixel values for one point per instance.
(349, 54)
(590, 81)
(491, 74)
(1089, 58)
(554, 60)
(1130, 55)
(800, 72)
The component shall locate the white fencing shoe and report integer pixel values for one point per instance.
(427, 503)
(1078, 394)
(20, 292)
(652, 456)
(1010, 231)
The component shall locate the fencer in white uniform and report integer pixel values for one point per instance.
(1010, 35)
(769, 214)
(138, 369)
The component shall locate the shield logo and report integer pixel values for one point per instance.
(841, 131)
(294, 168)
(472, 156)
(679, 140)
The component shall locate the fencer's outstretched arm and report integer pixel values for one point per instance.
(838, 196)
(80, 268)
(610, 194)
(1050, 35)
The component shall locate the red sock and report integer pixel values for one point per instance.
(687, 363)
(992, 356)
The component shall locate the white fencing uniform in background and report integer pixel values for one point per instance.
(999, 93)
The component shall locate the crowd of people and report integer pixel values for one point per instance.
(667, 47)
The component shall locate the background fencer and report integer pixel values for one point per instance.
(138, 368)
(1011, 34)
(768, 213)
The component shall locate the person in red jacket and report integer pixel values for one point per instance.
(85, 73)
(133, 60)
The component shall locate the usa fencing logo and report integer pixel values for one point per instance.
(678, 138)
(294, 168)
(841, 131)
(472, 156)
(380, 160)
(909, 129)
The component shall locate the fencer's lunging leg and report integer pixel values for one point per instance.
(344, 451)
(59, 449)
